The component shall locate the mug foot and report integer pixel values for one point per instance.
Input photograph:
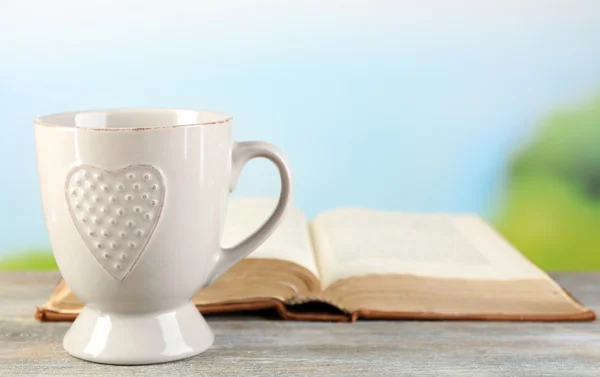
(133, 339)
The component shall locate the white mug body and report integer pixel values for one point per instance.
(135, 204)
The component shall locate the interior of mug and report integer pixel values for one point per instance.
(133, 118)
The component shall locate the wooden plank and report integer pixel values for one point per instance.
(258, 347)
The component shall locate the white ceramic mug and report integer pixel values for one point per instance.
(135, 204)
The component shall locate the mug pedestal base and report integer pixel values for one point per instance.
(133, 339)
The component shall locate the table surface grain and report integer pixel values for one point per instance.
(255, 346)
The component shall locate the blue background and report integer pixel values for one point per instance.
(411, 106)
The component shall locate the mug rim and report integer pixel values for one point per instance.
(53, 120)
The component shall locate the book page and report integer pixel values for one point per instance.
(290, 241)
(354, 242)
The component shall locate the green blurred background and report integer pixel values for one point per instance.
(551, 209)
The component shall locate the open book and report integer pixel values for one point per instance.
(356, 263)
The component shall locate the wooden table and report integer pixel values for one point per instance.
(259, 347)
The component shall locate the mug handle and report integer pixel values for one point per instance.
(241, 154)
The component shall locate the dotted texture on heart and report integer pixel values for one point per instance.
(115, 212)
